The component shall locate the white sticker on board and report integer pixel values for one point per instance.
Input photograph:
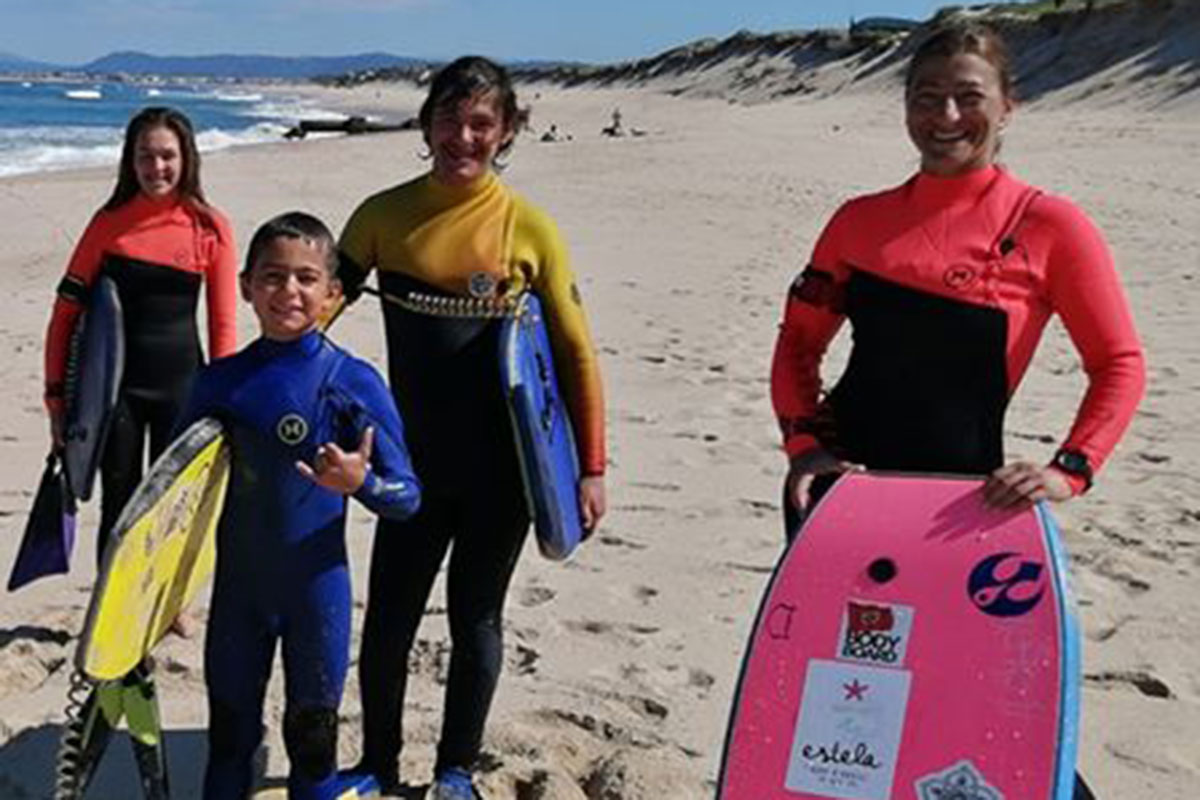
(959, 782)
(848, 731)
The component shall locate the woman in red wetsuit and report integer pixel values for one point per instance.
(948, 281)
(160, 241)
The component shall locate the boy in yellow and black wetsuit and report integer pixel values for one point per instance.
(459, 232)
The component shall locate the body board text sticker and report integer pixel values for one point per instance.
(875, 633)
(848, 731)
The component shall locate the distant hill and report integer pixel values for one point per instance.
(215, 66)
(242, 66)
(367, 66)
(10, 62)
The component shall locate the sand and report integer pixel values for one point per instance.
(620, 665)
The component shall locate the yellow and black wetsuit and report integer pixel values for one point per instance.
(481, 240)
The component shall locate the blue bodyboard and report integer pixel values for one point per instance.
(94, 369)
(545, 442)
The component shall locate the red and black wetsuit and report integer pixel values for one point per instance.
(948, 284)
(158, 253)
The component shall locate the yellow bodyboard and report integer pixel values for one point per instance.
(161, 553)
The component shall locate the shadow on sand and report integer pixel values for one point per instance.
(27, 765)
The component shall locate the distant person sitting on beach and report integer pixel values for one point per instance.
(615, 128)
(553, 134)
(459, 235)
(948, 282)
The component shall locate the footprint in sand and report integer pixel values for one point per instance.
(612, 540)
(534, 596)
(656, 487)
(430, 658)
(641, 773)
(172, 670)
(1132, 584)
(640, 508)
(700, 679)
(1144, 682)
(603, 729)
(760, 508)
(645, 593)
(523, 660)
(623, 634)
(29, 656)
(546, 785)
(648, 707)
(1106, 632)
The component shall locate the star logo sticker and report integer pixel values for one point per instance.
(855, 690)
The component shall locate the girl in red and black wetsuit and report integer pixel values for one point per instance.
(159, 240)
(948, 281)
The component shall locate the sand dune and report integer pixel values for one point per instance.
(1125, 53)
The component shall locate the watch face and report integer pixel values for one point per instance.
(1072, 462)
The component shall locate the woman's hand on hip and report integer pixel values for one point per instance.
(809, 464)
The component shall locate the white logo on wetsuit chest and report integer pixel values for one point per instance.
(292, 429)
(482, 285)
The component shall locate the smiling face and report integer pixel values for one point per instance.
(956, 107)
(290, 287)
(465, 136)
(158, 161)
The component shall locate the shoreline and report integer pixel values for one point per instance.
(275, 108)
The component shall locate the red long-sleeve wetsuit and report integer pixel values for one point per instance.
(948, 284)
(158, 252)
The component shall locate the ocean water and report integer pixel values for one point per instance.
(49, 126)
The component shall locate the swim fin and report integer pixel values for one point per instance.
(50, 532)
(90, 726)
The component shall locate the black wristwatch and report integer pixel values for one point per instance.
(1074, 463)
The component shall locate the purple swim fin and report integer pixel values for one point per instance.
(50, 533)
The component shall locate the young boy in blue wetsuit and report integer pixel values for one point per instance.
(308, 424)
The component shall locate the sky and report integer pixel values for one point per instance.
(77, 31)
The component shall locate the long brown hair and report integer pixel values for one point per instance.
(189, 178)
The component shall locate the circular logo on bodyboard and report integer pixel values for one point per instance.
(1006, 585)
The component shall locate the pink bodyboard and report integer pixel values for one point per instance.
(913, 645)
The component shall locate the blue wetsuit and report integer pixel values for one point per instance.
(281, 569)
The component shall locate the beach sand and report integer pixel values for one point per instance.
(621, 664)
